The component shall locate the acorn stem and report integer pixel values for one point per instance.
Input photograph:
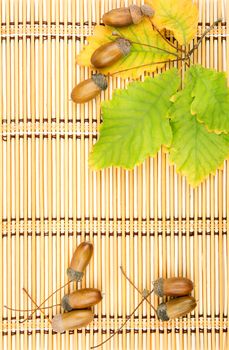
(132, 283)
(146, 65)
(43, 302)
(34, 303)
(30, 310)
(148, 45)
(155, 47)
(127, 319)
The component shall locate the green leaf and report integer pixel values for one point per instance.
(211, 98)
(135, 122)
(196, 152)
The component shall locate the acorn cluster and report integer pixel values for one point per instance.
(181, 303)
(108, 54)
(78, 304)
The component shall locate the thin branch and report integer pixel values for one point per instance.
(118, 330)
(34, 303)
(57, 290)
(129, 280)
(157, 48)
(30, 310)
(148, 45)
(203, 36)
(146, 65)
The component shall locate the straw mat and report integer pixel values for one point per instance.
(149, 220)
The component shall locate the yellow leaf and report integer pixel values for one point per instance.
(139, 55)
(179, 16)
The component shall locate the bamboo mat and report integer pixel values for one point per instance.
(148, 220)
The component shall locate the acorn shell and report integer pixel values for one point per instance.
(81, 299)
(120, 17)
(80, 260)
(89, 89)
(109, 53)
(174, 286)
(85, 91)
(72, 320)
(175, 308)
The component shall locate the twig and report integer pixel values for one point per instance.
(148, 45)
(129, 280)
(145, 65)
(34, 303)
(157, 48)
(27, 310)
(203, 35)
(57, 290)
(118, 330)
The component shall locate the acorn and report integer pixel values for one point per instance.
(81, 299)
(80, 260)
(175, 308)
(109, 53)
(174, 286)
(125, 16)
(89, 89)
(72, 320)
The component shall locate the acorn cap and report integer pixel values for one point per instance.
(147, 10)
(158, 287)
(162, 312)
(100, 80)
(74, 275)
(136, 13)
(65, 303)
(124, 45)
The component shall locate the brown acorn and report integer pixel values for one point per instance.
(72, 320)
(89, 89)
(174, 286)
(80, 260)
(125, 16)
(81, 299)
(175, 308)
(111, 52)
